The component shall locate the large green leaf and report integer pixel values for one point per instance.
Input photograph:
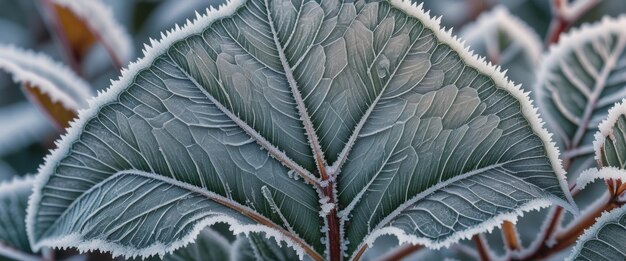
(323, 124)
(14, 243)
(579, 80)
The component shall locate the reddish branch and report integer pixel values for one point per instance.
(509, 233)
(563, 17)
(482, 247)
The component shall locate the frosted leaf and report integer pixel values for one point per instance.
(610, 140)
(581, 77)
(383, 116)
(85, 22)
(605, 240)
(13, 202)
(55, 89)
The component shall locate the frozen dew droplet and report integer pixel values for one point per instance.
(382, 67)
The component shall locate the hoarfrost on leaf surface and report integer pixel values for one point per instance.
(372, 105)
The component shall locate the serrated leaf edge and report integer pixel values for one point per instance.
(590, 175)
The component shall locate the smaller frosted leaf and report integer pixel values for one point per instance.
(22, 125)
(255, 246)
(209, 245)
(54, 88)
(85, 22)
(508, 41)
(580, 78)
(14, 243)
(588, 176)
(605, 240)
(610, 143)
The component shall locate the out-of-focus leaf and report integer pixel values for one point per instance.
(80, 24)
(610, 148)
(22, 125)
(6, 172)
(255, 246)
(273, 116)
(506, 40)
(14, 244)
(579, 80)
(50, 85)
(605, 240)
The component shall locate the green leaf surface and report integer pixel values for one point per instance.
(291, 117)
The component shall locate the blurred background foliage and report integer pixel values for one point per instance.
(26, 134)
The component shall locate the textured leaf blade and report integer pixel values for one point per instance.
(58, 91)
(580, 79)
(253, 104)
(481, 136)
(13, 203)
(508, 41)
(605, 240)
